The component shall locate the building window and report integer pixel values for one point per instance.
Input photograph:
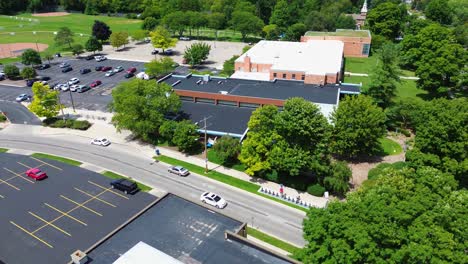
(294, 76)
(365, 49)
(274, 75)
(303, 77)
(284, 75)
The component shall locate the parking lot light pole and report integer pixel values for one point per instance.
(71, 98)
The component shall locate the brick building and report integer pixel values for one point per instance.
(313, 62)
(356, 42)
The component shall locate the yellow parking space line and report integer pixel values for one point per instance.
(11, 185)
(66, 214)
(109, 190)
(55, 167)
(95, 197)
(49, 223)
(31, 234)
(80, 205)
(18, 175)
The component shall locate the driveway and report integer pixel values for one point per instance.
(18, 114)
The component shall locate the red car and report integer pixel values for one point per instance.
(131, 70)
(36, 174)
(106, 68)
(95, 83)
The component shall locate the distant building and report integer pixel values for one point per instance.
(313, 62)
(356, 42)
(360, 18)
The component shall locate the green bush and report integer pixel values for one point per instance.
(316, 190)
(406, 132)
(375, 172)
(80, 124)
(11, 71)
(2, 117)
(68, 123)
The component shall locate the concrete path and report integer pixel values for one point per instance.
(367, 75)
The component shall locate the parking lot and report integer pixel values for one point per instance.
(71, 209)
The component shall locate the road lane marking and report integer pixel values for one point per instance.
(66, 214)
(46, 163)
(109, 190)
(80, 205)
(49, 223)
(90, 195)
(31, 234)
(18, 175)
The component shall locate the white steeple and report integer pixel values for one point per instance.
(364, 8)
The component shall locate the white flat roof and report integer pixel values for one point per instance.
(143, 253)
(258, 76)
(312, 57)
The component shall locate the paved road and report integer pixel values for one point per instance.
(18, 114)
(279, 220)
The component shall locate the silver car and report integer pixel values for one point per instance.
(179, 170)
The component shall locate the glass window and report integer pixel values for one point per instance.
(274, 74)
(294, 76)
(303, 77)
(284, 75)
(365, 49)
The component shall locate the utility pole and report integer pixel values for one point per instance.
(206, 150)
(71, 98)
(61, 106)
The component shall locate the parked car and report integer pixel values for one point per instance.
(124, 185)
(73, 81)
(36, 174)
(98, 68)
(184, 38)
(110, 73)
(129, 75)
(42, 82)
(168, 52)
(154, 52)
(65, 87)
(179, 170)
(44, 66)
(106, 68)
(100, 142)
(43, 78)
(213, 200)
(100, 58)
(95, 83)
(67, 69)
(2, 77)
(118, 69)
(90, 57)
(73, 88)
(22, 97)
(85, 71)
(64, 65)
(131, 70)
(30, 83)
(82, 88)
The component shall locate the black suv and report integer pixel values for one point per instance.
(84, 71)
(44, 66)
(125, 186)
(67, 69)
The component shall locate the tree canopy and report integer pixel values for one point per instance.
(246, 23)
(93, 44)
(161, 38)
(118, 39)
(387, 19)
(159, 67)
(30, 57)
(64, 36)
(28, 73)
(197, 53)
(45, 101)
(101, 30)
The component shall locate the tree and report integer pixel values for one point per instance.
(45, 102)
(48, 56)
(271, 32)
(282, 15)
(177, 22)
(338, 178)
(167, 129)
(140, 106)
(228, 66)
(77, 49)
(345, 22)
(401, 217)
(118, 39)
(385, 76)
(197, 53)
(91, 7)
(159, 67)
(64, 36)
(295, 32)
(227, 149)
(216, 21)
(11, 71)
(386, 19)
(149, 23)
(28, 73)
(161, 38)
(358, 126)
(139, 35)
(439, 11)
(30, 56)
(186, 137)
(93, 44)
(101, 31)
(246, 23)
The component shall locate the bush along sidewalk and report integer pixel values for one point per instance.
(67, 123)
(233, 181)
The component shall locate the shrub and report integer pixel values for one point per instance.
(2, 117)
(375, 172)
(406, 132)
(80, 124)
(227, 148)
(68, 123)
(316, 190)
(11, 71)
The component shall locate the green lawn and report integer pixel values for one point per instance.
(3, 150)
(390, 147)
(272, 240)
(244, 185)
(360, 65)
(112, 175)
(212, 157)
(57, 158)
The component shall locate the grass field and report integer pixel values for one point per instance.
(272, 240)
(113, 175)
(57, 158)
(390, 147)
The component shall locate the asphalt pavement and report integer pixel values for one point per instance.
(18, 114)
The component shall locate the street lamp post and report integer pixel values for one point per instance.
(71, 98)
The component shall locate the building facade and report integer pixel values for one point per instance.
(356, 42)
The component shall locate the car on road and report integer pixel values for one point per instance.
(106, 68)
(98, 68)
(95, 83)
(82, 88)
(179, 170)
(73, 88)
(124, 185)
(67, 69)
(100, 58)
(213, 200)
(100, 142)
(44, 66)
(129, 75)
(118, 69)
(131, 70)
(85, 71)
(22, 97)
(64, 65)
(36, 174)
(110, 73)
(73, 81)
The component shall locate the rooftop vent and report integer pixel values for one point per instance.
(199, 81)
(206, 78)
(223, 92)
(220, 82)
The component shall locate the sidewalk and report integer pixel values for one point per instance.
(102, 128)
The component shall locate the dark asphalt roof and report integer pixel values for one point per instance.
(185, 231)
(280, 89)
(224, 119)
(350, 89)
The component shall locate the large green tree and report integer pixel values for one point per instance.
(216, 21)
(358, 125)
(159, 67)
(246, 23)
(45, 101)
(177, 22)
(64, 36)
(93, 44)
(101, 31)
(387, 19)
(30, 57)
(140, 106)
(28, 73)
(186, 137)
(404, 216)
(197, 53)
(439, 11)
(161, 38)
(118, 39)
(227, 149)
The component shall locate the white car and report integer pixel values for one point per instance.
(110, 73)
(22, 97)
(64, 65)
(65, 87)
(118, 69)
(213, 199)
(100, 58)
(100, 142)
(73, 88)
(73, 81)
(179, 170)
